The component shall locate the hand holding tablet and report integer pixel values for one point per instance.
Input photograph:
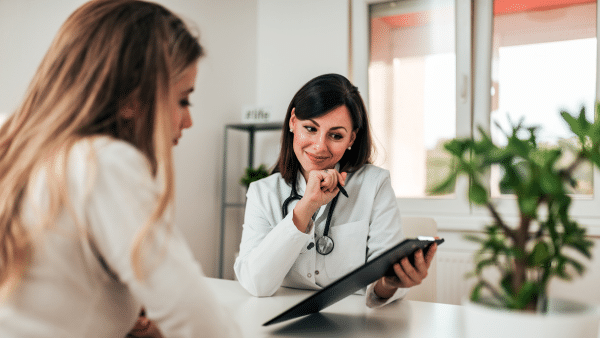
(356, 279)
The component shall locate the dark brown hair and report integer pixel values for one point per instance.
(316, 98)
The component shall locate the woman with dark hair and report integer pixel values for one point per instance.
(86, 183)
(298, 231)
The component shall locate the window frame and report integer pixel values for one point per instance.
(474, 29)
(584, 209)
(458, 204)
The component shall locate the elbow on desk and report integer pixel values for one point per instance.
(252, 282)
(255, 289)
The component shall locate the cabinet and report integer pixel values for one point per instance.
(251, 129)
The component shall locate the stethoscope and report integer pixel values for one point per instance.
(324, 243)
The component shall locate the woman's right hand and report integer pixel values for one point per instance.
(321, 188)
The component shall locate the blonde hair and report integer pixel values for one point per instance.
(106, 53)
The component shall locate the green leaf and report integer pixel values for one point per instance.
(540, 254)
(528, 293)
(506, 283)
(572, 122)
(550, 182)
(474, 238)
(583, 247)
(575, 264)
(476, 292)
(254, 174)
(484, 263)
(595, 158)
(478, 194)
(584, 124)
(449, 182)
(528, 205)
(594, 132)
(458, 147)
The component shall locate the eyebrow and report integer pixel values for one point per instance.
(334, 128)
(187, 91)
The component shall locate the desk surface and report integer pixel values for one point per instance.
(349, 317)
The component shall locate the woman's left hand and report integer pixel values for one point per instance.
(407, 275)
(144, 328)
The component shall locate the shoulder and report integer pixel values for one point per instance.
(267, 192)
(107, 152)
(107, 159)
(271, 183)
(371, 173)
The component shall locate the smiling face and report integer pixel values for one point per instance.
(180, 113)
(320, 142)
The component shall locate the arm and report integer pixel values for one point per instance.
(268, 249)
(174, 293)
(386, 229)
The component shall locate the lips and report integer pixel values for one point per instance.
(316, 159)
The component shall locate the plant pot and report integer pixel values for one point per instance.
(564, 319)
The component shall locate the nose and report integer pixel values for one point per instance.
(186, 121)
(319, 143)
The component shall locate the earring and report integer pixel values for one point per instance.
(291, 130)
(349, 148)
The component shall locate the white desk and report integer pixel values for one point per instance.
(349, 317)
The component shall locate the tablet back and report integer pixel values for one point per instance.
(354, 280)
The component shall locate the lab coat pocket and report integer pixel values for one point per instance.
(350, 248)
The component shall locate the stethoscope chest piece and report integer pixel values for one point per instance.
(324, 245)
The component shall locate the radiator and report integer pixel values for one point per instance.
(452, 286)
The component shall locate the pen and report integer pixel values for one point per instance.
(342, 190)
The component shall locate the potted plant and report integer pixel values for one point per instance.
(539, 246)
(253, 174)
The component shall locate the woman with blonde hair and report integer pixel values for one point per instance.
(86, 183)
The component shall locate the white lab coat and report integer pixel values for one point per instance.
(274, 253)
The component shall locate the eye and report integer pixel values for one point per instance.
(184, 103)
(337, 137)
(310, 129)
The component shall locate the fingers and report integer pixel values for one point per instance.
(321, 188)
(142, 323)
(430, 254)
(329, 180)
(141, 327)
(408, 275)
(342, 178)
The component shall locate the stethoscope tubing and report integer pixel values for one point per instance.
(325, 243)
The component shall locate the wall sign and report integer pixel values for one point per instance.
(254, 114)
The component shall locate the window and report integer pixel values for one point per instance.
(544, 61)
(528, 60)
(405, 56)
(412, 90)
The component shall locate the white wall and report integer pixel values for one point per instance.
(297, 41)
(226, 82)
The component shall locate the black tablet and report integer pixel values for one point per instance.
(356, 279)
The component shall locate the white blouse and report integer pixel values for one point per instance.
(274, 253)
(81, 283)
